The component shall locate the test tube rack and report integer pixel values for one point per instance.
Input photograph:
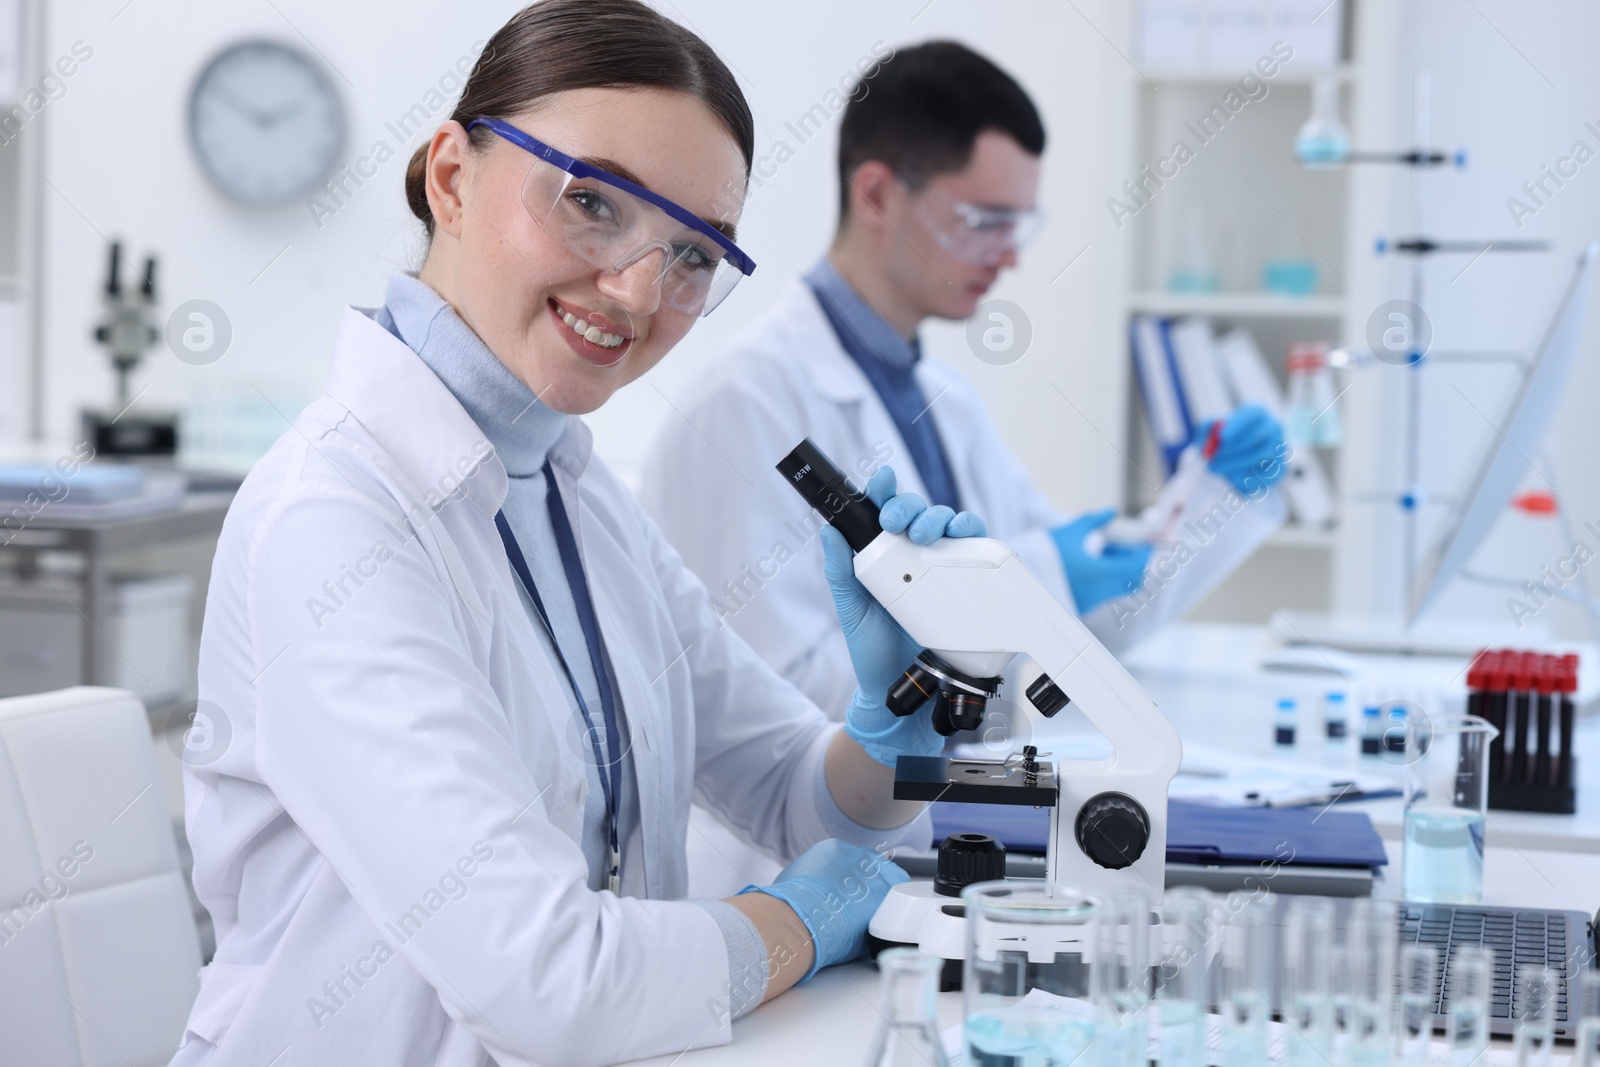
(1528, 697)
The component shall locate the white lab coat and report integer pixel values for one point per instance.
(388, 842)
(710, 484)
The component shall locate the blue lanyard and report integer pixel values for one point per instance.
(610, 770)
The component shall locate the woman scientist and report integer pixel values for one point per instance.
(469, 690)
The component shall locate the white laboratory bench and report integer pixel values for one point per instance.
(1208, 679)
(832, 1018)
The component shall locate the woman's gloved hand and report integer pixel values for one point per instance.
(879, 649)
(1250, 450)
(1116, 571)
(834, 888)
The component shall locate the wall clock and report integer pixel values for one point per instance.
(266, 123)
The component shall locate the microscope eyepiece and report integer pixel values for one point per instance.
(825, 487)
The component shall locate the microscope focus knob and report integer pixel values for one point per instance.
(1113, 829)
(968, 858)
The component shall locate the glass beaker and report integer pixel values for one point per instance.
(1447, 787)
(1027, 978)
(908, 1036)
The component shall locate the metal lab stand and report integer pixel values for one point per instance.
(96, 542)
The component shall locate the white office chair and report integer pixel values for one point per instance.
(99, 960)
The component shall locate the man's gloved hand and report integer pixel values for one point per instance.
(1116, 571)
(879, 649)
(1250, 450)
(834, 888)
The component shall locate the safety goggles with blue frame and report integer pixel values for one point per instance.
(612, 223)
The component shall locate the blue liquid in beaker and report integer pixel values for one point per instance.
(1443, 859)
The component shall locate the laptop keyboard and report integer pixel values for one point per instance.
(1518, 936)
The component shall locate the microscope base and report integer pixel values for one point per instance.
(914, 914)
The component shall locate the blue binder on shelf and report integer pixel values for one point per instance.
(1161, 386)
(1200, 833)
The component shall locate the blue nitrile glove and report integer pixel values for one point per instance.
(879, 649)
(834, 887)
(1251, 450)
(1116, 571)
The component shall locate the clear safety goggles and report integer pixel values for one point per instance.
(612, 223)
(979, 236)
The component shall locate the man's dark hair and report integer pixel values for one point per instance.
(922, 109)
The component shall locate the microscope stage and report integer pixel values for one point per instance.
(976, 781)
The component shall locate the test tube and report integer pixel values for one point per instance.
(1419, 995)
(1471, 974)
(1248, 951)
(1536, 1014)
(1370, 940)
(1587, 1051)
(1182, 999)
(1341, 1006)
(1308, 981)
(1121, 978)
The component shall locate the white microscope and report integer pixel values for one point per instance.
(974, 606)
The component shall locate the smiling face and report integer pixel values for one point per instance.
(524, 288)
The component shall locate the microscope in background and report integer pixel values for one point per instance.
(974, 606)
(128, 328)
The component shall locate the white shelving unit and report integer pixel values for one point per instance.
(1253, 201)
(20, 210)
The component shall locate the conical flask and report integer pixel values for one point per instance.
(908, 1036)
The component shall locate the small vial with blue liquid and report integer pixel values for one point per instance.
(1394, 734)
(1283, 722)
(1333, 715)
(1372, 730)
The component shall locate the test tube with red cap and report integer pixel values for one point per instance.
(1519, 704)
(1566, 686)
(1544, 676)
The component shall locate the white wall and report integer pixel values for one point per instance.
(1513, 83)
(119, 157)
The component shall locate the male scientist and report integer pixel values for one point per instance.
(938, 175)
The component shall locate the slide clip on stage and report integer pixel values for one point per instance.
(974, 606)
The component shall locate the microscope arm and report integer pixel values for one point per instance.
(974, 603)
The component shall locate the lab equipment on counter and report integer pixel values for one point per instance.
(1472, 968)
(1248, 973)
(908, 1034)
(1528, 697)
(1307, 1000)
(1372, 729)
(128, 328)
(1447, 788)
(1121, 980)
(974, 607)
(1182, 969)
(1334, 716)
(1420, 968)
(1586, 1007)
(1028, 974)
(1537, 993)
(1283, 723)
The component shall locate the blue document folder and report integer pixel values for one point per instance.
(1200, 833)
